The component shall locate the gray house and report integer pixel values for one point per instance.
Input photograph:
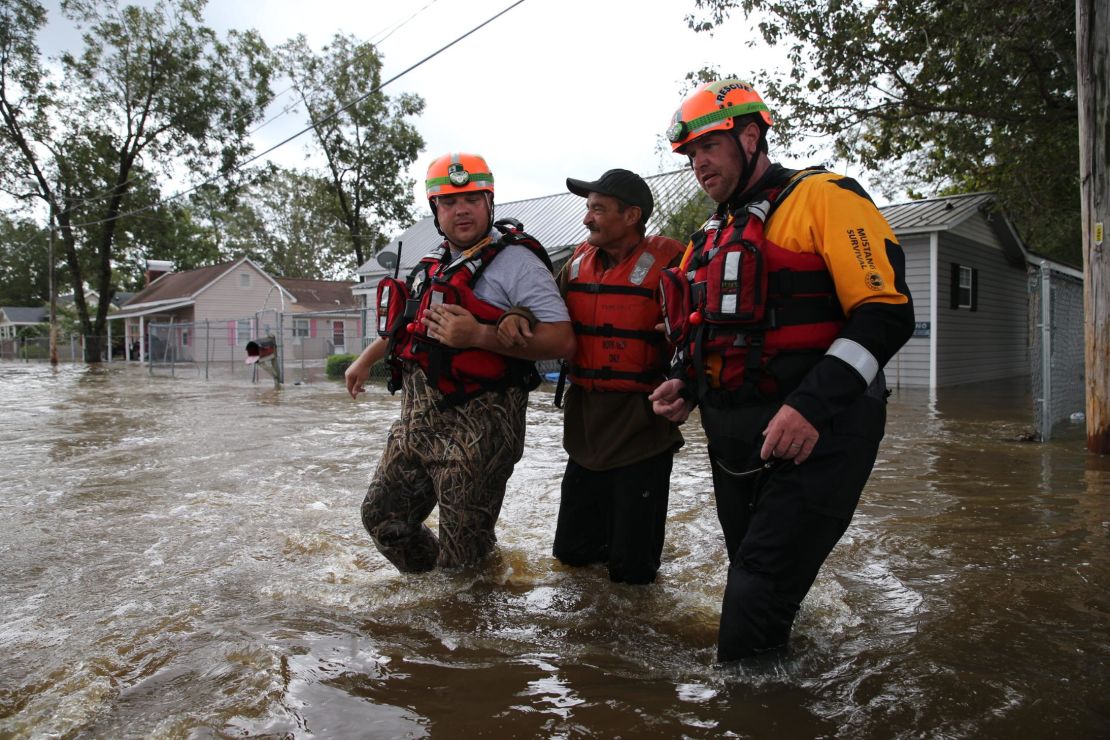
(986, 307)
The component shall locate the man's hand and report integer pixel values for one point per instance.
(356, 376)
(789, 436)
(452, 325)
(514, 331)
(667, 401)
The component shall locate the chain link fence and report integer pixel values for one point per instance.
(1057, 350)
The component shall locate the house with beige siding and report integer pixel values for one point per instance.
(209, 314)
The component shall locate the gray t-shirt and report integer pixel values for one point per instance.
(516, 277)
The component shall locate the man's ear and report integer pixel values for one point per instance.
(749, 138)
(632, 215)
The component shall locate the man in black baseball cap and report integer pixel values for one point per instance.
(625, 186)
(613, 507)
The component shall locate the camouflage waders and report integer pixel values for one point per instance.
(459, 457)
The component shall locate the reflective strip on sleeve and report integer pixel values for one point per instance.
(857, 356)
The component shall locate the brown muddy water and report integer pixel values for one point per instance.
(184, 558)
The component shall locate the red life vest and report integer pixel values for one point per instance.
(615, 312)
(459, 374)
(747, 312)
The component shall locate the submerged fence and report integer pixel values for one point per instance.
(70, 348)
(302, 342)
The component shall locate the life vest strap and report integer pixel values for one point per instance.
(608, 373)
(596, 288)
(608, 330)
(798, 282)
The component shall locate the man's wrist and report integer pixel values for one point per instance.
(523, 312)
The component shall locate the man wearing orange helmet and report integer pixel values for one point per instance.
(784, 310)
(464, 395)
(613, 506)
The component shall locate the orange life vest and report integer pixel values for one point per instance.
(615, 312)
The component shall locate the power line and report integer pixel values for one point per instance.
(385, 33)
(241, 166)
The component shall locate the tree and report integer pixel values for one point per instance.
(942, 96)
(285, 222)
(23, 264)
(152, 91)
(364, 135)
(688, 216)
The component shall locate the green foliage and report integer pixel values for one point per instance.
(88, 134)
(284, 222)
(934, 96)
(365, 137)
(336, 365)
(24, 256)
(688, 217)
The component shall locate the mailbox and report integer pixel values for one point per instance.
(260, 349)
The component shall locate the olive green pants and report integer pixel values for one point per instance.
(460, 458)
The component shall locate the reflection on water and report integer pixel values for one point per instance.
(183, 558)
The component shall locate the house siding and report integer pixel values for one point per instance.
(990, 342)
(225, 299)
(910, 366)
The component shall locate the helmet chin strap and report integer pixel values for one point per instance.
(745, 173)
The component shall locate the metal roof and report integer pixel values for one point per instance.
(934, 214)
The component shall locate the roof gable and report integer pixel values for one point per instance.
(25, 314)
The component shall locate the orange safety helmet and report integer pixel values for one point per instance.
(714, 107)
(458, 172)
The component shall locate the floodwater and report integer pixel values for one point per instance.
(184, 558)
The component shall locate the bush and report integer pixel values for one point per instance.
(338, 364)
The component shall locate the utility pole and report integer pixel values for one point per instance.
(1092, 42)
(53, 295)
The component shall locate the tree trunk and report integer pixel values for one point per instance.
(1092, 18)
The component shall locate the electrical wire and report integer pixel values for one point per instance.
(241, 166)
(384, 33)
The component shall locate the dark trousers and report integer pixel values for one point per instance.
(781, 524)
(616, 517)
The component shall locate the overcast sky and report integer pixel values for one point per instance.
(551, 89)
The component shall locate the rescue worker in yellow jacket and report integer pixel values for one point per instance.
(613, 506)
(785, 308)
(464, 395)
